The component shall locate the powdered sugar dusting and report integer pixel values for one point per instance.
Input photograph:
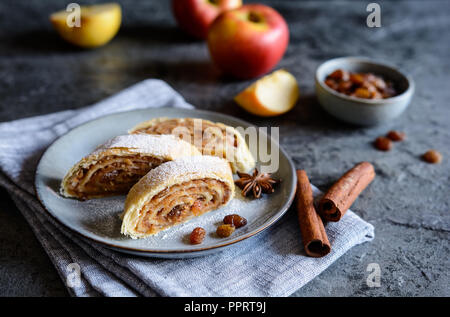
(202, 164)
(158, 145)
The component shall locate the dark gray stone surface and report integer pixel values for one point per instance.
(408, 203)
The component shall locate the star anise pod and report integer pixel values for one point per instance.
(256, 183)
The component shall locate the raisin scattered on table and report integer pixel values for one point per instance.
(235, 220)
(396, 135)
(432, 156)
(225, 230)
(197, 235)
(383, 144)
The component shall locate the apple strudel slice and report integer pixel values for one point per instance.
(114, 167)
(175, 192)
(210, 138)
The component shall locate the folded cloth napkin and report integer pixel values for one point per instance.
(272, 263)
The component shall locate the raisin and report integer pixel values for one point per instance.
(197, 235)
(371, 88)
(357, 79)
(388, 92)
(331, 83)
(379, 83)
(396, 135)
(339, 74)
(383, 144)
(361, 85)
(224, 231)
(345, 86)
(235, 220)
(363, 93)
(377, 95)
(432, 156)
(176, 211)
(197, 207)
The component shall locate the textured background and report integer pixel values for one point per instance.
(409, 201)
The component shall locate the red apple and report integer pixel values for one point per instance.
(249, 41)
(195, 16)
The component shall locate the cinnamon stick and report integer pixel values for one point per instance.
(313, 233)
(344, 192)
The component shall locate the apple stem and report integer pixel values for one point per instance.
(254, 17)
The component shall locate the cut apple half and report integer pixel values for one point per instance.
(272, 95)
(98, 24)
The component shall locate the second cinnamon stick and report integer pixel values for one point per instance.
(344, 192)
(313, 233)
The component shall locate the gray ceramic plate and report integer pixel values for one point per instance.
(98, 219)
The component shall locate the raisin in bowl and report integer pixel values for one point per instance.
(366, 103)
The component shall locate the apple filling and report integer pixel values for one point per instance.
(182, 202)
(111, 175)
(207, 136)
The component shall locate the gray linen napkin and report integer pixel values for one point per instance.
(273, 263)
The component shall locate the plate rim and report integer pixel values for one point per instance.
(143, 252)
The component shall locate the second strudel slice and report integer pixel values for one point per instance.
(114, 167)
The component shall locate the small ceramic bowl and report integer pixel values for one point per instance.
(358, 110)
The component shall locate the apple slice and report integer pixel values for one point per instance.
(272, 95)
(98, 24)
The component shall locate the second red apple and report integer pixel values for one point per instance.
(195, 16)
(249, 41)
